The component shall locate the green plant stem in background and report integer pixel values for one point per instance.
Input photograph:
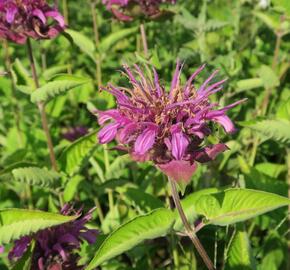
(41, 108)
(188, 229)
(275, 61)
(268, 91)
(65, 11)
(97, 42)
(144, 39)
(16, 108)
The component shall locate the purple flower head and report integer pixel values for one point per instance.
(74, 133)
(20, 19)
(166, 127)
(1, 249)
(55, 247)
(126, 10)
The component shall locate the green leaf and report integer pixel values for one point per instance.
(57, 87)
(108, 42)
(149, 226)
(269, 78)
(15, 223)
(144, 201)
(22, 75)
(37, 176)
(271, 21)
(73, 156)
(188, 205)
(53, 71)
(71, 188)
(248, 84)
(283, 111)
(240, 256)
(84, 43)
(236, 205)
(277, 130)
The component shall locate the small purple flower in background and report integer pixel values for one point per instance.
(55, 247)
(20, 19)
(166, 127)
(1, 249)
(74, 133)
(125, 10)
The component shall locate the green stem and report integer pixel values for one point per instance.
(188, 228)
(9, 71)
(144, 39)
(97, 42)
(41, 108)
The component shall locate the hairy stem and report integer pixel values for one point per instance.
(144, 39)
(188, 229)
(41, 108)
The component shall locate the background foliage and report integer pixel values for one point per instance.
(248, 41)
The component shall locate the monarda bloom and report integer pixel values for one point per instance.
(56, 247)
(167, 127)
(126, 10)
(20, 19)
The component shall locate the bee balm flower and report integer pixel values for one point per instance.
(125, 10)
(167, 127)
(55, 247)
(20, 19)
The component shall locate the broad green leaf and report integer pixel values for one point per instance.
(116, 167)
(144, 201)
(22, 75)
(53, 71)
(109, 41)
(271, 21)
(84, 43)
(283, 111)
(15, 223)
(57, 87)
(236, 205)
(37, 176)
(73, 156)
(277, 130)
(240, 255)
(149, 226)
(269, 78)
(249, 84)
(188, 205)
(16, 165)
(71, 188)
(271, 169)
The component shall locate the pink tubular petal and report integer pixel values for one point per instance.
(56, 16)
(145, 141)
(178, 170)
(126, 132)
(226, 122)
(189, 82)
(104, 116)
(176, 78)
(156, 83)
(108, 133)
(203, 86)
(209, 153)
(39, 14)
(10, 14)
(179, 143)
